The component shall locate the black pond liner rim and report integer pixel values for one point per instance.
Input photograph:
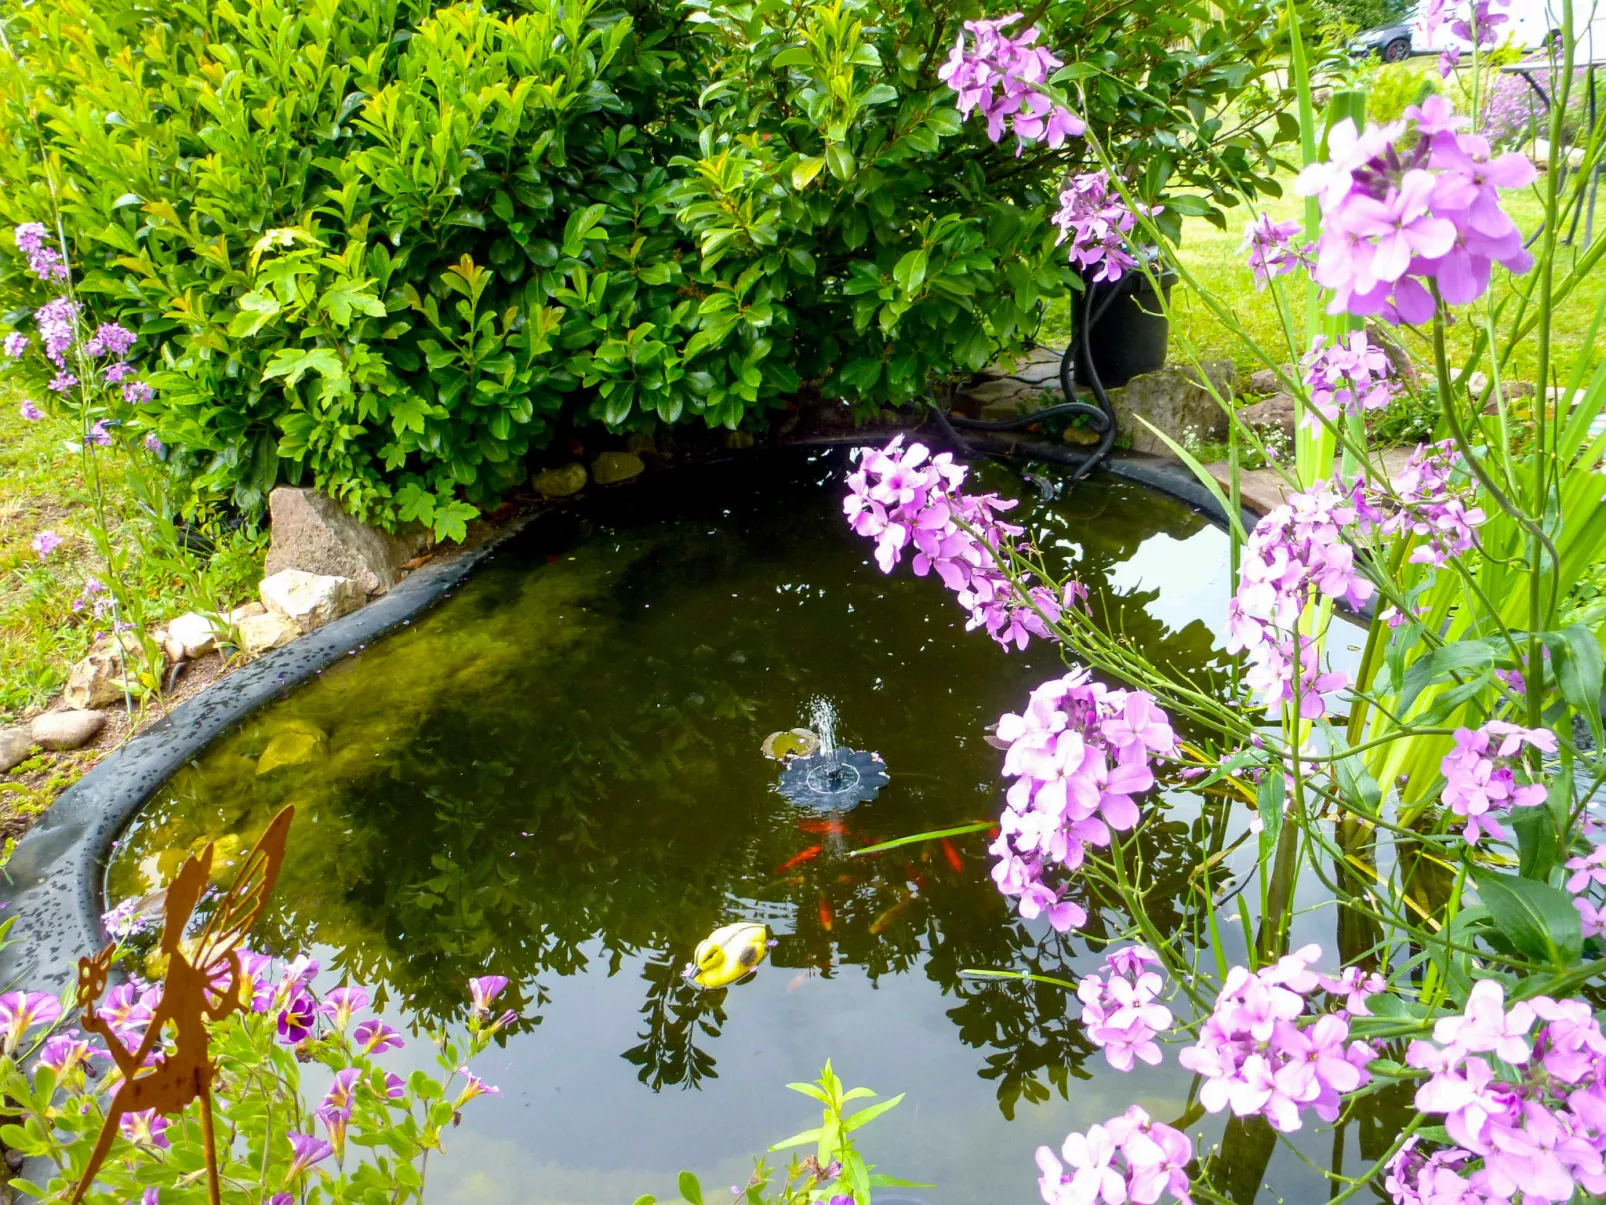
(56, 877)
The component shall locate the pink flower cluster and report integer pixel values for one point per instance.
(1003, 77)
(1119, 1014)
(1399, 214)
(1097, 221)
(907, 499)
(44, 262)
(1589, 871)
(1295, 552)
(1346, 377)
(57, 321)
(1479, 781)
(1433, 501)
(1260, 1053)
(1271, 249)
(1128, 1158)
(1078, 754)
(1537, 1124)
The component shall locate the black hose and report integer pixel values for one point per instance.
(1101, 417)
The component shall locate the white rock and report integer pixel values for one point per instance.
(245, 611)
(259, 633)
(193, 633)
(310, 600)
(67, 729)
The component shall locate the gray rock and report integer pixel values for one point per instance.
(67, 729)
(1276, 412)
(1264, 380)
(15, 746)
(97, 680)
(610, 468)
(1040, 366)
(313, 534)
(1176, 402)
(560, 482)
(269, 630)
(1005, 398)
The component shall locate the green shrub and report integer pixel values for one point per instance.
(1396, 87)
(390, 249)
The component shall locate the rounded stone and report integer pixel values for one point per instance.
(612, 467)
(560, 482)
(67, 729)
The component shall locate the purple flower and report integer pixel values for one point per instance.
(1259, 1051)
(473, 1086)
(1295, 553)
(1078, 754)
(375, 1037)
(1097, 221)
(57, 321)
(395, 1086)
(1346, 378)
(1449, 60)
(137, 393)
(341, 1003)
(31, 412)
(43, 261)
(307, 1149)
(484, 991)
(1398, 214)
(255, 989)
(907, 499)
(45, 543)
(98, 435)
(62, 1053)
(146, 1128)
(1128, 1158)
(297, 1018)
(15, 344)
(119, 371)
(1004, 78)
(109, 339)
(1477, 786)
(61, 382)
(1587, 870)
(154, 445)
(1120, 1015)
(1534, 1126)
(1271, 250)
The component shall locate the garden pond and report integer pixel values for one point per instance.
(556, 776)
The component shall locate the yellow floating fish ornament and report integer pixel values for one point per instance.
(728, 953)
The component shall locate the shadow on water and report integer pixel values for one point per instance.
(556, 777)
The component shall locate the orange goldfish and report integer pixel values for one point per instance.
(799, 858)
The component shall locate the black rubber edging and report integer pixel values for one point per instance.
(53, 881)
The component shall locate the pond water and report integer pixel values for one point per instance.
(556, 776)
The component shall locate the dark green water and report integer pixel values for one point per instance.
(555, 776)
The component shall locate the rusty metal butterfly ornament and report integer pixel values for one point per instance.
(202, 984)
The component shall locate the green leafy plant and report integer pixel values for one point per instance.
(836, 1172)
(394, 250)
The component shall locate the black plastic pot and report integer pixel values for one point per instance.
(1130, 332)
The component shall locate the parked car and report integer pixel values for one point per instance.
(1530, 25)
(1391, 43)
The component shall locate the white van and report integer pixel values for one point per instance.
(1529, 25)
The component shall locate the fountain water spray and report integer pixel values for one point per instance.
(833, 778)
